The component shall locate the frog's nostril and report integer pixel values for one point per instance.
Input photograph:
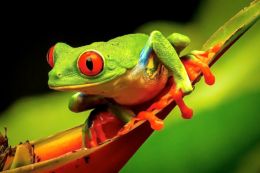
(58, 74)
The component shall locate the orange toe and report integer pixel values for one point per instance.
(127, 127)
(155, 122)
(203, 67)
(185, 110)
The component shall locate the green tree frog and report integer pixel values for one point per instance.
(124, 72)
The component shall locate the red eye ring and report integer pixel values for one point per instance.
(50, 57)
(90, 63)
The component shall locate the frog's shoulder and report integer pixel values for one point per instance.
(129, 42)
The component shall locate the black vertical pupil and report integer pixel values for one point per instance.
(89, 63)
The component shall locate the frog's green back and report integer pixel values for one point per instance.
(124, 50)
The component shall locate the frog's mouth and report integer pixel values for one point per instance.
(60, 85)
(95, 86)
(74, 87)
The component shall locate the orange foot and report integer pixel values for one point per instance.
(198, 61)
(177, 95)
(155, 122)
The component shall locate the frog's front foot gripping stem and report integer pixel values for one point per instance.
(194, 63)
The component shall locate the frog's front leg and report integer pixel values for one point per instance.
(92, 130)
(80, 102)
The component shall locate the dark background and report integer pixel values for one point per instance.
(28, 30)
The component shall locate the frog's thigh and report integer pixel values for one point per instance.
(169, 57)
(164, 51)
(80, 102)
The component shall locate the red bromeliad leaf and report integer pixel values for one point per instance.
(62, 152)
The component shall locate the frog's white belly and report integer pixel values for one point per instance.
(142, 89)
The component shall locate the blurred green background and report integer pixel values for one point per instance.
(223, 136)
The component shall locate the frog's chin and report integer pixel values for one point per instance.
(74, 87)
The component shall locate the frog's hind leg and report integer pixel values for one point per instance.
(197, 61)
(168, 55)
(178, 41)
(167, 51)
(194, 60)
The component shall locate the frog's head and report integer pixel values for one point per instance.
(83, 67)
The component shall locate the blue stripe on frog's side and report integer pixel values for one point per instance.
(144, 56)
(148, 64)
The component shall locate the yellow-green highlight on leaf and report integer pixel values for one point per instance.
(39, 116)
(237, 25)
(213, 14)
(23, 155)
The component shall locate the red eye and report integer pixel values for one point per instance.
(90, 63)
(50, 57)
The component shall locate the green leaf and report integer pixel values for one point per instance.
(233, 29)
